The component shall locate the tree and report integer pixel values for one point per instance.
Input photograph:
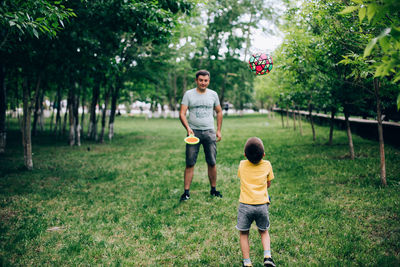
(22, 22)
(31, 33)
(383, 17)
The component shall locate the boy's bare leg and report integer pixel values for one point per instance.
(212, 175)
(244, 244)
(265, 239)
(188, 176)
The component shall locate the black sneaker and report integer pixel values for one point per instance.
(185, 197)
(216, 194)
(269, 262)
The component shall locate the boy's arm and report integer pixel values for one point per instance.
(268, 184)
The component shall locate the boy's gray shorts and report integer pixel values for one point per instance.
(249, 213)
(209, 141)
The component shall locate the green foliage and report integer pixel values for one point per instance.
(33, 17)
(398, 101)
(383, 15)
(118, 204)
(321, 59)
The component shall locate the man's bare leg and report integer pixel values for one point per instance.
(188, 176)
(187, 181)
(212, 175)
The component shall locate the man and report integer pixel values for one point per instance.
(201, 103)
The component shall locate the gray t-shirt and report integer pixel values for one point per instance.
(201, 108)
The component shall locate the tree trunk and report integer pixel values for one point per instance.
(380, 132)
(184, 82)
(299, 119)
(26, 126)
(294, 119)
(41, 112)
(332, 124)
(222, 92)
(92, 131)
(83, 113)
(349, 136)
(64, 127)
(311, 120)
(37, 105)
(58, 114)
(71, 104)
(76, 119)
(172, 95)
(283, 123)
(287, 117)
(3, 108)
(111, 120)
(104, 115)
(52, 116)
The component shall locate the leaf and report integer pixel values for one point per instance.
(397, 78)
(12, 23)
(361, 13)
(35, 33)
(398, 102)
(371, 9)
(358, 1)
(370, 46)
(348, 9)
(395, 32)
(384, 43)
(344, 61)
(385, 32)
(19, 27)
(44, 28)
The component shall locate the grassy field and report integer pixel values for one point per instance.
(118, 203)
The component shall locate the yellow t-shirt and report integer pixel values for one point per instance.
(253, 181)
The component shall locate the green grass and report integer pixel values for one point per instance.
(117, 203)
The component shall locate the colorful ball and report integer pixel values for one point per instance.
(260, 63)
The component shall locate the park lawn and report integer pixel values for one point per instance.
(118, 203)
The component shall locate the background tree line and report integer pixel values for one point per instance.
(337, 56)
(340, 57)
(97, 54)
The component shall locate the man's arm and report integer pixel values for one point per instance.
(218, 110)
(182, 117)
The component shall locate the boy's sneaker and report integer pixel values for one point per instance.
(247, 265)
(269, 262)
(185, 197)
(216, 193)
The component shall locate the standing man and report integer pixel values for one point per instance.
(201, 103)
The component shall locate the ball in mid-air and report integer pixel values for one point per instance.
(260, 63)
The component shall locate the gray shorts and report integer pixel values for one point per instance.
(249, 213)
(209, 141)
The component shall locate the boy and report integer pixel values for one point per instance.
(255, 177)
